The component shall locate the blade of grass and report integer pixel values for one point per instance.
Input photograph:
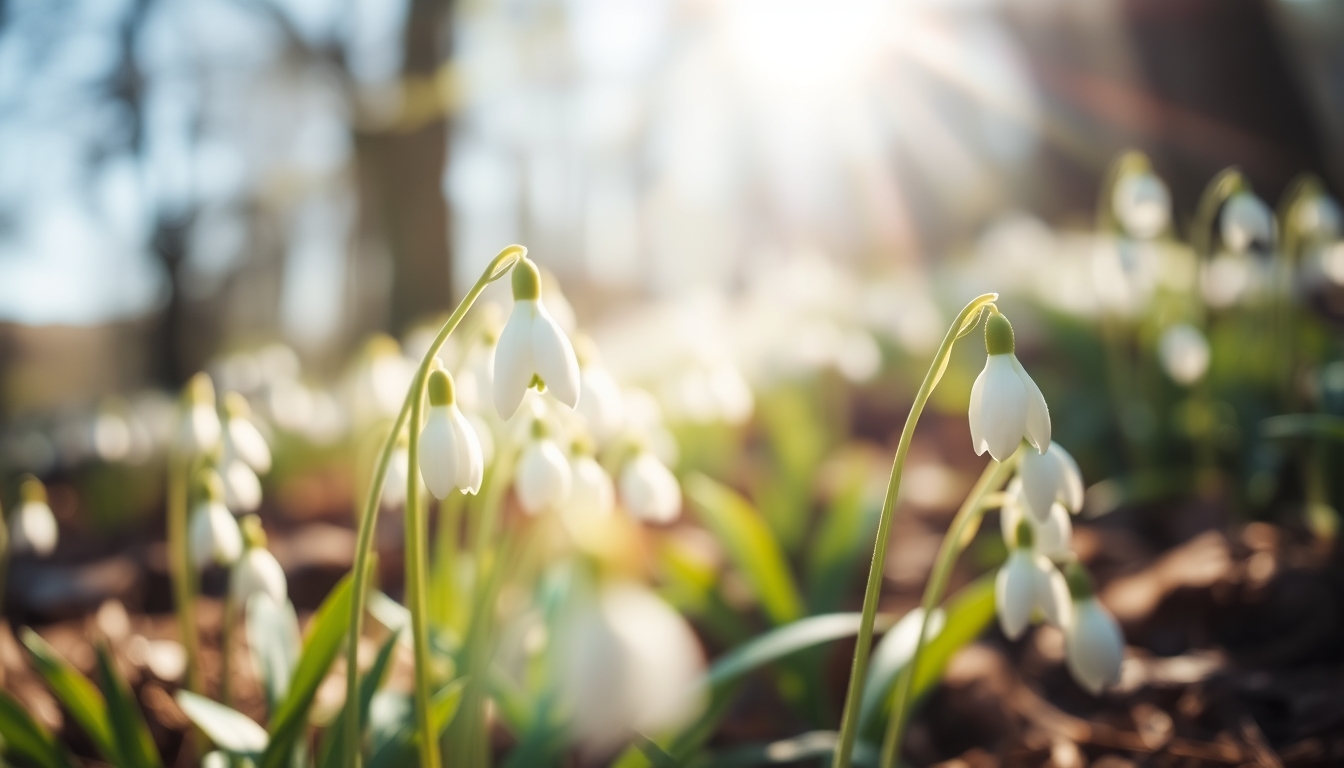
(76, 693)
(25, 737)
(333, 739)
(127, 722)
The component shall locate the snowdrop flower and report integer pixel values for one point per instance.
(199, 430)
(1184, 353)
(1142, 205)
(33, 527)
(1006, 405)
(532, 350)
(242, 487)
(450, 453)
(1051, 537)
(1246, 223)
(241, 437)
(1318, 218)
(213, 535)
(257, 572)
(544, 479)
(1093, 645)
(1049, 477)
(1026, 583)
(629, 664)
(649, 490)
(592, 494)
(600, 402)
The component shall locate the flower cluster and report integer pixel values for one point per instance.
(1008, 414)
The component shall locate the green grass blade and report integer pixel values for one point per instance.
(76, 693)
(968, 613)
(25, 737)
(326, 632)
(127, 722)
(330, 756)
(274, 642)
(750, 544)
(230, 730)
(779, 643)
(655, 754)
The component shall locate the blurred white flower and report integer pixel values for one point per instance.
(1229, 278)
(532, 349)
(543, 479)
(1006, 405)
(1184, 353)
(199, 431)
(1246, 223)
(450, 453)
(258, 572)
(629, 664)
(398, 474)
(1049, 477)
(1051, 537)
(1318, 218)
(1330, 261)
(1094, 647)
(242, 487)
(649, 490)
(592, 495)
(1142, 205)
(600, 401)
(241, 437)
(213, 535)
(1125, 273)
(381, 379)
(1029, 582)
(32, 527)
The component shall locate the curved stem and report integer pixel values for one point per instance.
(849, 721)
(417, 583)
(958, 535)
(499, 266)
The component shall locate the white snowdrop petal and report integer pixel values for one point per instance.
(1072, 493)
(246, 441)
(1015, 593)
(258, 572)
(976, 413)
(1042, 478)
(1094, 647)
(1246, 222)
(1004, 407)
(514, 366)
(470, 470)
(242, 487)
(1184, 353)
(1052, 593)
(649, 489)
(1142, 204)
(1038, 413)
(1054, 536)
(438, 457)
(213, 536)
(33, 529)
(543, 480)
(554, 358)
(200, 428)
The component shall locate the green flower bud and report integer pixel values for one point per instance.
(998, 335)
(526, 281)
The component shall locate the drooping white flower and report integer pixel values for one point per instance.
(1094, 647)
(242, 487)
(629, 664)
(544, 479)
(242, 439)
(601, 403)
(33, 527)
(649, 490)
(1246, 223)
(257, 571)
(1050, 477)
(532, 349)
(1051, 537)
(1318, 218)
(1142, 205)
(213, 536)
(1028, 582)
(450, 453)
(199, 431)
(1184, 353)
(1006, 405)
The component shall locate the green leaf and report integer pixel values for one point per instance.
(79, 696)
(273, 638)
(1304, 425)
(230, 730)
(890, 657)
(129, 730)
(443, 707)
(781, 642)
(654, 753)
(396, 735)
(25, 737)
(326, 632)
(750, 544)
(329, 756)
(968, 613)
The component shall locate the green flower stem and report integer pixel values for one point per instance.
(499, 266)
(954, 543)
(417, 584)
(179, 565)
(1293, 244)
(849, 722)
